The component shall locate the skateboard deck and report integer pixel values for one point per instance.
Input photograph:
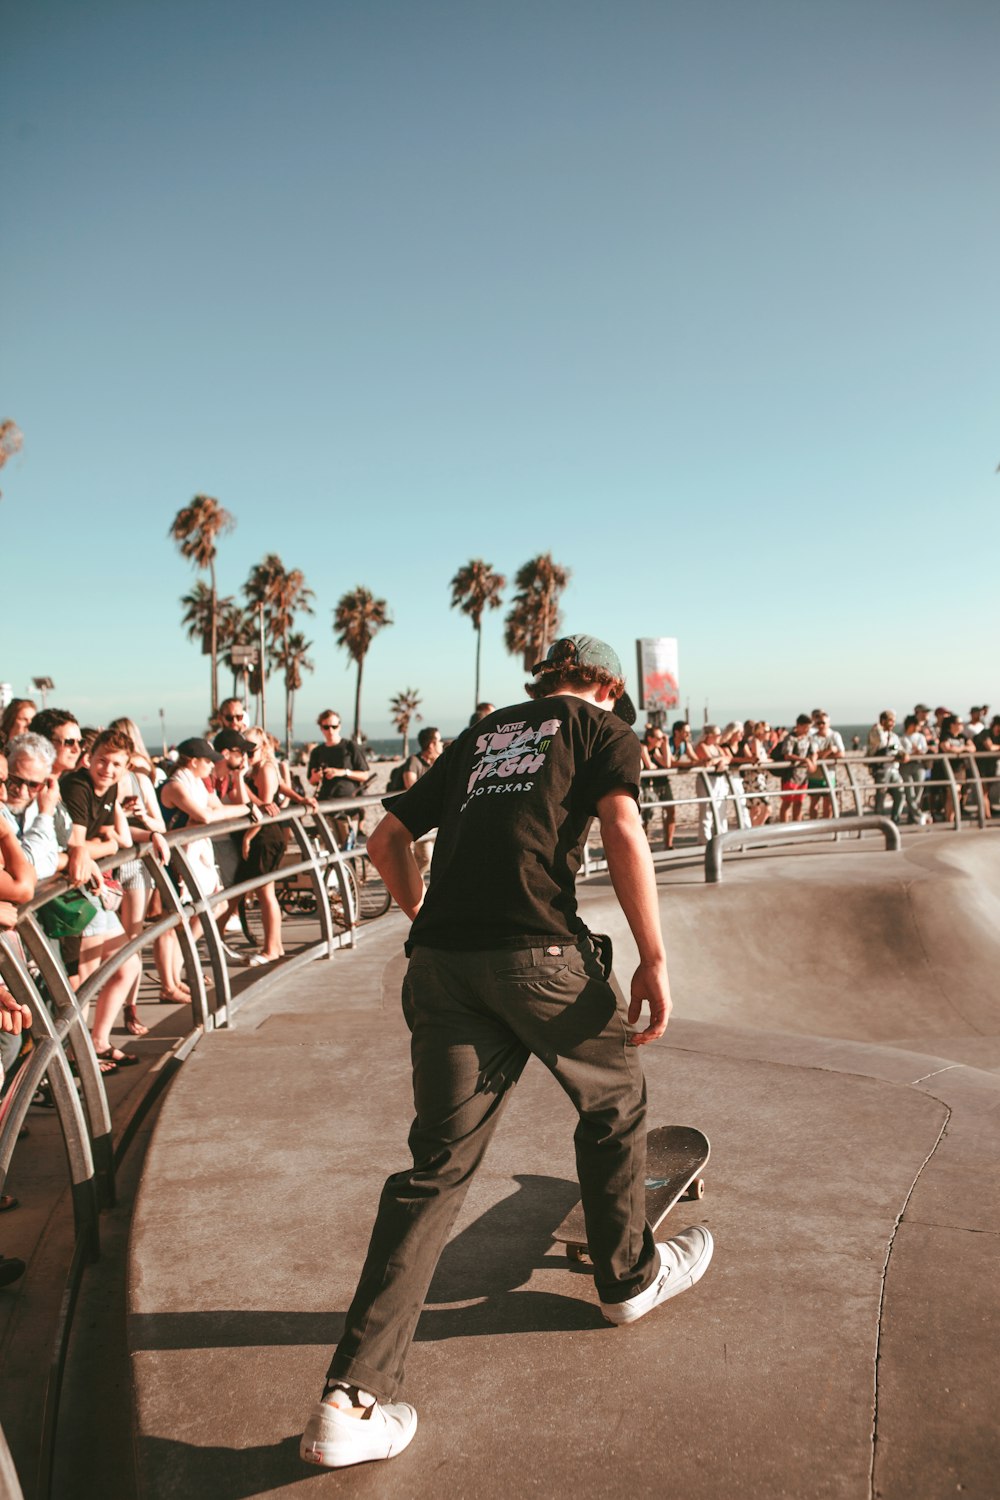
(675, 1156)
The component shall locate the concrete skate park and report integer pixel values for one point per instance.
(835, 1034)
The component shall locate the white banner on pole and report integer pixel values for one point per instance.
(659, 682)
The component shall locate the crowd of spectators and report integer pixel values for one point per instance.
(786, 773)
(72, 797)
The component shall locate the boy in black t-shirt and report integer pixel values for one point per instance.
(503, 967)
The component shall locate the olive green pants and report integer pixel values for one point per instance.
(475, 1018)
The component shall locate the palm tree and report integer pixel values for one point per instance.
(533, 621)
(276, 593)
(356, 620)
(293, 658)
(197, 616)
(403, 709)
(194, 529)
(474, 588)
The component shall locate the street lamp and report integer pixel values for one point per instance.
(43, 685)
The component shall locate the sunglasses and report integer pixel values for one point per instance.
(330, 726)
(31, 786)
(231, 718)
(68, 744)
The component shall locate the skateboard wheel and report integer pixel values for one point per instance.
(695, 1189)
(576, 1252)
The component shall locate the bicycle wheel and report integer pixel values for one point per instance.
(343, 919)
(251, 919)
(373, 898)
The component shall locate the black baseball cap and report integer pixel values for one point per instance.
(231, 739)
(197, 749)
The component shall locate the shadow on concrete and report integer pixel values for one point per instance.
(488, 1261)
(227, 1473)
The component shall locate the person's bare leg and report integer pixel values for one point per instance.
(133, 910)
(113, 995)
(270, 913)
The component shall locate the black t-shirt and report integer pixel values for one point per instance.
(83, 803)
(512, 799)
(414, 766)
(346, 756)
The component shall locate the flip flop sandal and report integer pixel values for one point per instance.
(121, 1060)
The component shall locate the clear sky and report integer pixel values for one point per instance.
(701, 298)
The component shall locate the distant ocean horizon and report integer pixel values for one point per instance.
(390, 747)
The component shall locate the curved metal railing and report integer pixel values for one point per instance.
(63, 1055)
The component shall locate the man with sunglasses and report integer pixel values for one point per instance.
(60, 728)
(233, 714)
(338, 769)
(32, 799)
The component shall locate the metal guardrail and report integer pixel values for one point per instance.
(721, 791)
(64, 1056)
(774, 833)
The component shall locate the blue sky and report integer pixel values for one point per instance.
(700, 298)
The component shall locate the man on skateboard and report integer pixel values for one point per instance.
(502, 968)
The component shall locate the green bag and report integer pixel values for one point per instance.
(66, 915)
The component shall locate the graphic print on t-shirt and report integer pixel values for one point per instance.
(511, 750)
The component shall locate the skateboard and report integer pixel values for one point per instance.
(675, 1156)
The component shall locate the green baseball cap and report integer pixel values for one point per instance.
(588, 651)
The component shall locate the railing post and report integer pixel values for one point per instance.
(95, 1098)
(956, 800)
(978, 783)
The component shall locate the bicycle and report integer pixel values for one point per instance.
(367, 896)
(373, 899)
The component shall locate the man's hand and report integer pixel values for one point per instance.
(48, 797)
(80, 868)
(650, 983)
(13, 1017)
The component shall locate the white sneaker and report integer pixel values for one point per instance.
(334, 1439)
(683, 1261)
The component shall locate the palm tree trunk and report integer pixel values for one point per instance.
(263, 668)
(214, 643)
(479, 645)
(357, 700)
(288, 700)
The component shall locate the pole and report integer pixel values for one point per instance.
(163, 731)
(263, 703)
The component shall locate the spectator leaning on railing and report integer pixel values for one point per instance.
(913, 744)
(828, 745)
(17, 885)
(100, 826)
(883, 741)
(798, 750)
(32, 798)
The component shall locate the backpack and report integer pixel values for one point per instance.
(395, 782)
